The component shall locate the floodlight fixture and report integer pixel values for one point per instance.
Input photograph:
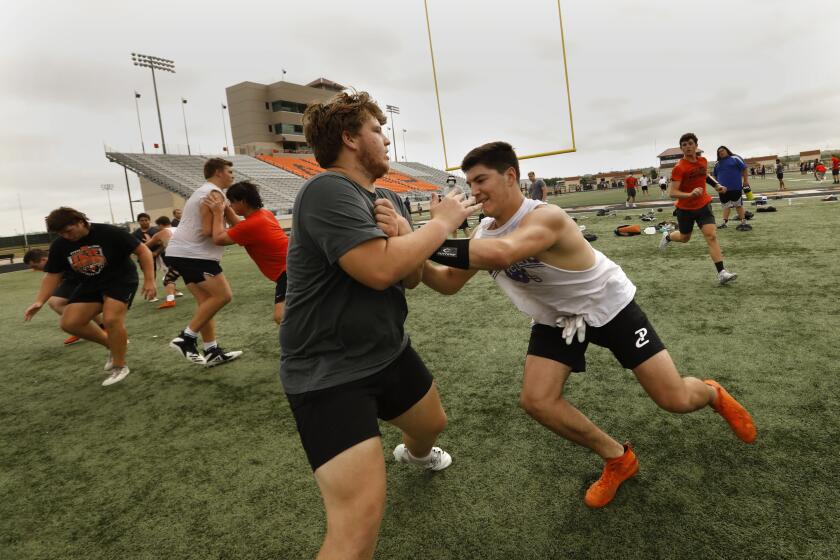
(155, 63)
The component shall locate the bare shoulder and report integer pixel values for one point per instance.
(548, 215)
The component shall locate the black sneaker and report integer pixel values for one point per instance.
(216, 355)
(185, 345)
(723, 225)
(744, 227)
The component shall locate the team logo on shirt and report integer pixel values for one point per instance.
(520, 272)
(88, 260)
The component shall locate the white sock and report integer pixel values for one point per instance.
(209, 345)
(170, 298)
(418, 460)
(190, 333)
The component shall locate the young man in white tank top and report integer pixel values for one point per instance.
(575, 295)
(191, 252)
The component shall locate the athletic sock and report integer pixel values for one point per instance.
(209, 345)
(170, 298)
(719, 266)
(418, 460)
(190, 333)
(668, 236)
(725, 220)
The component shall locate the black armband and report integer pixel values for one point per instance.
(712, 182)
(454, 253)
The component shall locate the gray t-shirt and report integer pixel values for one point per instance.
(336, 330)
(535, 189)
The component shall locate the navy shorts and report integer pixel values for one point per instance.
(629, 336)
(335, 419)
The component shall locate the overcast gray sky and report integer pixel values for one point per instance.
(760, 77)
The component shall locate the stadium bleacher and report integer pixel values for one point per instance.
(278, 178)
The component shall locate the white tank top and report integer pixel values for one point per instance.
(546, 293)
(188, 242)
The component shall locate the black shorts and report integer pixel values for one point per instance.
(120, 291)
(631, 193)
(194, 271)
(835, 172)
(65, 289)
(629, 336)
(686, 218)
(280, 289)
(663, 187)
(731, 199)
(644, 188)
(171, 275)
(335, 419)
(780, 176)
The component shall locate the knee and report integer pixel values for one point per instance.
(226, 297)
(56, 305)
(112, 323)
(357, 534)
(535, 405)
(676, 402)
(68, 324)
(710, 237)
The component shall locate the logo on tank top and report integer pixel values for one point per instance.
(522, 271)
(88, 260)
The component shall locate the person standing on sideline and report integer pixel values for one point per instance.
(537, 189)
(176, 217)
(630, 185)
(731, 172)
(835, 169)
(146, 230)
(643, 182)
(780, 174)
(574, 295)
(192, 253)
(688, 187)
(663, 186)
(260, 234)
(346, 359)
(100, 257)
(36, 259)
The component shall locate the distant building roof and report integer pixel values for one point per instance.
(572, 178)
(760, 158)
(810, 153)
(323, 83)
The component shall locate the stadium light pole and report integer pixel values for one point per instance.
(405, 152)
(394, 111)
(187, 134)
(108, 187)
(128, 188)
(23, 224)
(224, 127)
(155, 63)
(139, 126)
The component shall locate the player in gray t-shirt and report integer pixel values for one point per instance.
(537, 189)
(346, 360)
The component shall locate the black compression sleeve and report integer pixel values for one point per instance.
(454, 253)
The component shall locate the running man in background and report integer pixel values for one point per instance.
(260, 234)
(731, 172)
(37, 261)
(694, 205)
(100, 256)
(193, 254)
(575, 295)
(157, 244)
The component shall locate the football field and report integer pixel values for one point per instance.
(178, 461)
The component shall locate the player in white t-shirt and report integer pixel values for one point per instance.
(575, 295)
(157, 244)
(192, 253)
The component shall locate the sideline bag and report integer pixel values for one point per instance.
(766, 209)
(628, 230)
(589, 236)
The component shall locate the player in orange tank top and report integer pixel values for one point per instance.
(694, 205)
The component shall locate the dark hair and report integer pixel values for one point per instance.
(777, 160)
(325, 123)
(246, 192)
(62, 217)
(688, 136)
(215, 164)
(176, 210)
(495, 155)
(34, 255)
(163, 221)
(143, 215)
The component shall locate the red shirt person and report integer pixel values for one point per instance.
(630, 184)
(260, 234)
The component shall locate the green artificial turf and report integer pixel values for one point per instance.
(181, 462)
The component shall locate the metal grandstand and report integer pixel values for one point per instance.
(279, 179)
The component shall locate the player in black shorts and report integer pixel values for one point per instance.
(575, 295)
(37, 260)
(346, 360)
(100, 256)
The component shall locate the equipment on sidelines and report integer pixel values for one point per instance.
(766, 209)
(748, 192)
(650, 230)
(628, 230)
(590, 236)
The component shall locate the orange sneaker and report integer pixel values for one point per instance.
(72, 339)
(615, 472)
(734, 413)
(167, 304)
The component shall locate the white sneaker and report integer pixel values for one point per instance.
(664, 242)
(627, 205)
(725, 276)
(179, 294)
(437, 461)
(153, 300)
(117, 375)
(109, 365)
(633, 205)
